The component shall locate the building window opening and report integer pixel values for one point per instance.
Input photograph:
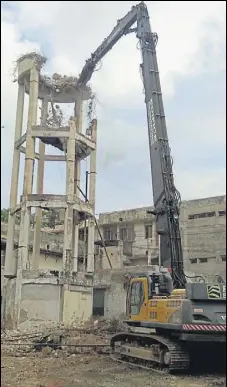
(202, 215)
(148, 231)
(110, 234)
(223, 258)
(81, 234)
(222, 213)
(193, 260)
(98, 302)
(203, 260)
(123, 234)
(126, 233)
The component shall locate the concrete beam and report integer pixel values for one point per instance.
(21, 140)
(47, 157)
(85, 140)
(23, 150)
(80, 206)
(46, 204)
(46, 197)
(43, 131)
(55, 158)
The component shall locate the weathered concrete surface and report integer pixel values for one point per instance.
(39, 303)
(77, 304)
(8, 308)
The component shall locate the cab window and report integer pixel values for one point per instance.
(137, 297)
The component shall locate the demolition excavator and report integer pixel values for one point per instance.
(181, 322)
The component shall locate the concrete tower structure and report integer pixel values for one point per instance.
(75, 146)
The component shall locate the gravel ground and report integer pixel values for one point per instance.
(39, 370)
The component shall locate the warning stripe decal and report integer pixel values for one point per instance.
(195, 327)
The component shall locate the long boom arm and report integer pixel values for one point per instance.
(122, 28)
(166, 197)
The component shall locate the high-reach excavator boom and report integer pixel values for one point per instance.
(166, 197)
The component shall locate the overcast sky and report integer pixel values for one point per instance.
(191, 56)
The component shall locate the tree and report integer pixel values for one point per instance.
(4, 214)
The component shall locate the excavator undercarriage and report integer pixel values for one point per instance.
(150, 351)
(166, 354)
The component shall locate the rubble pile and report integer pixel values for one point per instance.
(59, 82)
(109, 326)
(92, 336)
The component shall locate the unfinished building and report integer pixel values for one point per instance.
(21, 269)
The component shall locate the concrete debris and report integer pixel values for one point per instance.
(59, 83)
(92, 336)
(108, 326)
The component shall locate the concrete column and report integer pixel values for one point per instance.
(39, 189)
(23, 256)
(30, 141)
(91, 223)
(68, 225)
(23, 248)
(10, 261)
(184, 235)
(79, 124)
(75, 241)
(154, 239)
(77, 172)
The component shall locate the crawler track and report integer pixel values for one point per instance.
(151, 352)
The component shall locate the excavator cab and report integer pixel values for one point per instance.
(144, 287)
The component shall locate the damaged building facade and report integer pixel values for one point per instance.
(131, 239)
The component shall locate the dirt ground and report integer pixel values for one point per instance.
(88, 371)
